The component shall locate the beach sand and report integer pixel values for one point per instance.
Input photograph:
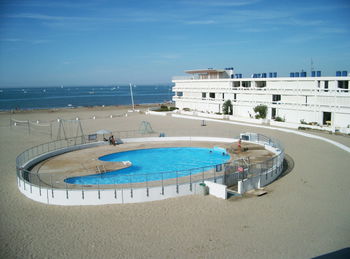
(305, 213)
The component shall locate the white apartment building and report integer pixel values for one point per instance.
(322, 100)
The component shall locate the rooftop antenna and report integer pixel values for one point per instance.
(132, 98)
(312, 66)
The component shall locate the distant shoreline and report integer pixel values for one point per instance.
(80, 108)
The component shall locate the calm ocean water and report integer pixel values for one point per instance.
(58, 97)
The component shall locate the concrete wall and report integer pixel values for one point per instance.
(72, 197)
(217, 190)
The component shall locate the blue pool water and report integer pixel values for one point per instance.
(156, 164)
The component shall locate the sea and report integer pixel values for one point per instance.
(71, 97)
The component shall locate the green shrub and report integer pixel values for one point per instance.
(261, 111)
(186, 109)
(279, 119)
(173, 108)
(227, 107)
(303, 121)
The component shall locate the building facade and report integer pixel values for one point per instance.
(316, 99)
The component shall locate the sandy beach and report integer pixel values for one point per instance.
(305, 213)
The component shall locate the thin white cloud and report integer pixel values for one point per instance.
(201, 22)
(170, 56)
(19, 40)
(331, 30)
(11, 40)
(36, 16)
(301, 38)
(221, 3)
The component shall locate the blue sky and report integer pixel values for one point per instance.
(52, 43)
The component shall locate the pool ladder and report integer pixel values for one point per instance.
(100, 169)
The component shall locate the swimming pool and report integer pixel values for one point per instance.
(156, 164)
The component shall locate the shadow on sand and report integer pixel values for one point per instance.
(288, 165)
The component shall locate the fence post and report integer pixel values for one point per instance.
(131, 190)
(147, 190)
(115, 191)
(82, 192)
(177, 183)
(20, 173)
(51, 186)
(162, 184)
(202, 175)
(215, 174)
(190, 181)
(67, 196)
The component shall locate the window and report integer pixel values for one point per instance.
(276, 98)
(260, 84)
(179, 93)
(204, 95)
(236, 84)
(235, 97)
(246, 83)
(212, 95)
(343, 85)
(326, 86)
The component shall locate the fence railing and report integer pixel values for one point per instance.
(228, 173)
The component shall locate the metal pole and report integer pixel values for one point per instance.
(147, 191)
(115, 191)
(132, 98)
(51, 186)
(215, 174)
(162, 184)
(131, 191)
(190, 181)
(177, 183)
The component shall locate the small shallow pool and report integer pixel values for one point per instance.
(156, 164)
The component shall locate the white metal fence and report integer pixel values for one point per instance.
(244, 176)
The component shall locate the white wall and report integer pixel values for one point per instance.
(217, 190)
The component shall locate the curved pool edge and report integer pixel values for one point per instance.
(172, 162)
